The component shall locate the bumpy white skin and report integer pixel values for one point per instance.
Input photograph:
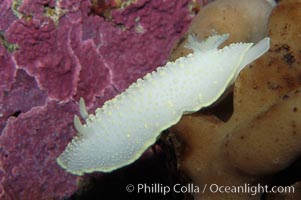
(127, 125)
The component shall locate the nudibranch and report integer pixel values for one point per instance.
(120, 131)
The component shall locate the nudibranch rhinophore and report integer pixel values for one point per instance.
(119, 132)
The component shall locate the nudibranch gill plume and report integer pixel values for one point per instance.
(120, 131)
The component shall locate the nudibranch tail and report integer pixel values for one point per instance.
(255, 52)
(120, 131)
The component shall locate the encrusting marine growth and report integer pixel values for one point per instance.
(127, 125)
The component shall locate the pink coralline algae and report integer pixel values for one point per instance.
(51, 54)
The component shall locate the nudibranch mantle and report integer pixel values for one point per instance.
(127, 125)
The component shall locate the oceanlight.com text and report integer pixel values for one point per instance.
(158, 188)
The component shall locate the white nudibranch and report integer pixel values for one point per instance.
(127, 125)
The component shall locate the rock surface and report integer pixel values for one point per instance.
(261, 136)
